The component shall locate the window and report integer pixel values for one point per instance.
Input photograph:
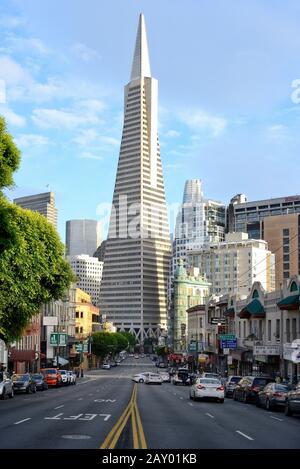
(81, 330)
(76, 330)
(239, 328)
(286, 249)
(294, 286)
(286, 274)
(286, 266)
(286, 232)
(81, 314)
(294, 328)
(244, 328)
(286, 258)
(286, 241)
(77, 314)
(269, 329)
(277, 333)
(287, 327)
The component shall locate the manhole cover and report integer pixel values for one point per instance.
(76, 437)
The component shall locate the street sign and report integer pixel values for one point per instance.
(231, 344)
(200, 346)
(227, 336)
(86, 347)
(225, 351)
(79, 347)
(266, 350)
(54, 339)
(229, 360)
(218, 321)
(193, 346)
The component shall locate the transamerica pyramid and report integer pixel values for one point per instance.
(137, 252)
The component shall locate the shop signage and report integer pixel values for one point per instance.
(227, 336)
(229, 360)
(225, 351)
(193, 346)
(218, 321)
(266, 350)
(58, 340)
(79, 347)
(230, 343)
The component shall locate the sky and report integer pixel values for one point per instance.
(229, 95)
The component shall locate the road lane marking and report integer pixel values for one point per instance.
(189, 403)
(276, 418)
(209, 415)
(181, 398)
(244, 435)
(80, 398)
(21, 421)
(59, 407)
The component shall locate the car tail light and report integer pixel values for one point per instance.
(255, 388)
(200, 386)
(220, 388)
(278, 394)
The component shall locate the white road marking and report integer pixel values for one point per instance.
(59, 407)
(244, 435)
(276, 418)
(189, 403)
(104, 400)
(56, 417)
(106, 416)
(209, 415)
(21, 421)
(174, 393)
(181, 398)
(76, 437)
(80, 398)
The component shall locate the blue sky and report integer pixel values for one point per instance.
(226, 113)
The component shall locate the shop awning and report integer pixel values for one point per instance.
(289, 303)
(229, 313)
(253, 309)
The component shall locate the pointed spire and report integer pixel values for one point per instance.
(141, 63)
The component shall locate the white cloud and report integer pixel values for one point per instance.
(90, 156)
(277, 133)
(202, 120)
(13, 73)
(14, 43)
(85, 53)
(86, 137)
(29, 140)
(83, 113)
(11, 22)
(172, 133)
(11, 117)
(110, 141)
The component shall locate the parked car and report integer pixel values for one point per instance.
(292, 405)
(6, 385)
(140, 377)
(153, 378)
(209, 388)
(106, 366)
(65, 379)
(136, 356)
(182, 376)
(162, 365)
(40, 381)
(23, 383)
(165, 377)
(248, 387)
(230, 384)
(72, 377)
(53, 378)
(273, 395)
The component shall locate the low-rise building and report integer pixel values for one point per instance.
(24, 354)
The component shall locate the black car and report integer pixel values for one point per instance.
(272, 396)
(23, 383)
(292, 405)
(248, 387)
(230, 384)
(40, 382)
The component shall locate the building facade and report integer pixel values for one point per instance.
(190, 289)
(137, 251)
(282, 233)
(235, 264)
(82, 237)
(247, 216)
(88, 271)
(25, 354)
(42, 203)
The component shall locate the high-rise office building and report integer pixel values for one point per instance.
(246, 216)
(42, 203)
(137, 251)
(88, 271)
(199, 221)
(82, 237)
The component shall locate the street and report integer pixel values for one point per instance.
(107, 409)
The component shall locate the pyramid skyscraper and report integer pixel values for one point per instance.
(137, 253)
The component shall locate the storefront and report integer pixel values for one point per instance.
(291, 357)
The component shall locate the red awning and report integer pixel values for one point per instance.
(22, 355)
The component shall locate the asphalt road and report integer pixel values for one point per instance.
(161, 417)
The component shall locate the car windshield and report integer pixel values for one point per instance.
(62, 372)
(235, 379)
(261, 381)
(20, 377)
(37, 376)
(281, 387)
(209, 381)
(50, 372)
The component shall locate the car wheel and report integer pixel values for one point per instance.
(287, 410)
(27, 390)
(258, 403)
(221, 401)
(244, 398)
(234, 396)
(191, 397)
(268, 405)
(12, 395)
(141, 380)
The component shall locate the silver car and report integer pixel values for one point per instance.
(6, 385)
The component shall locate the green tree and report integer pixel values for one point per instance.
(122, 342)
(130, 338)
(161, 351)
(102, 344)
(33, 270)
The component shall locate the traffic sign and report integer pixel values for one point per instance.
(54, 339)
(231, 343)
(79, 347)
(218, 321)
(227, 336)
(58, 340)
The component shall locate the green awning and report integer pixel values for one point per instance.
(253, 309)
(290, 302)
(229, 312)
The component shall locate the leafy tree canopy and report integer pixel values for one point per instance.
(33, 270)
(130, 338)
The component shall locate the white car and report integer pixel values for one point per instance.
(106, 366)
(65, 379)
(165, 377)
(207, 388)
(72, 377)
(211, 375)
(153, 378)
(140, 377)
